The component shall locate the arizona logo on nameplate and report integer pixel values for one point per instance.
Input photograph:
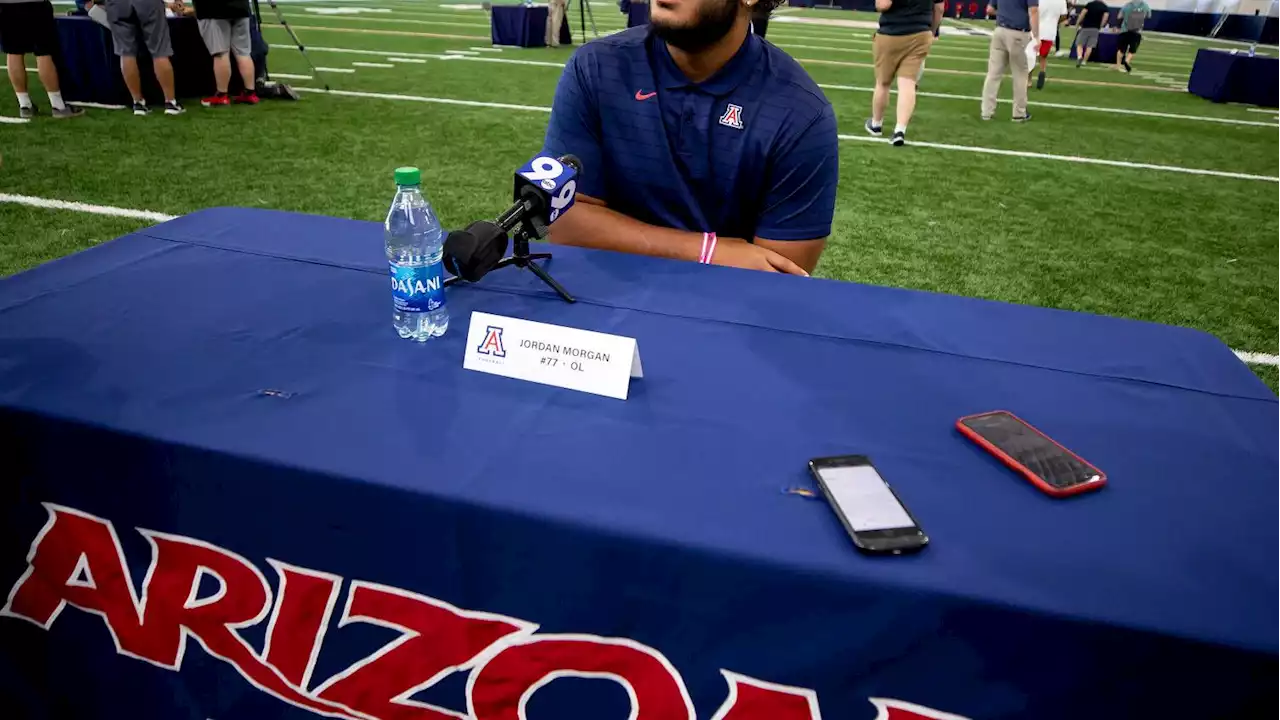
(570, 358)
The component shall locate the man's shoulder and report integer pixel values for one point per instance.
(788, 82)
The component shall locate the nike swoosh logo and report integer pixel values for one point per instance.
(645, 96)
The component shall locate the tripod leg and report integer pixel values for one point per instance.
(544, 277)
(538, 256)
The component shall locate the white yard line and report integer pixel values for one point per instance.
(461, 52)
(1254, 358)
(1065, 106)
(372, 65)
(1273, 111)
(419, 98)
(335, 70)
(48, 204)
(1074, 159)
(398, 59)
(99, 106)
(487, 49)
(14, 120)
(288, 76)
(424, 56)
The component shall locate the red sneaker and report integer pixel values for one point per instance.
(247, 98)
(216, 100)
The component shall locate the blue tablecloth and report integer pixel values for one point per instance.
(89, 70)
(1222, 77)
(524, 26)
(231, 380)
(1104, 52)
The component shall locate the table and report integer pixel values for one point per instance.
(89, 70)
(230, 380)
(1105, 52)
(1224, 77)
(524, 26)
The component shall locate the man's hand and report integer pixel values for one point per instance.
(991, 11)
(733, 252)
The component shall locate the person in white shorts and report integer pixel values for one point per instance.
(224, 27)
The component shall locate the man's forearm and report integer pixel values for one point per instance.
(1035, 21)
(590, 225)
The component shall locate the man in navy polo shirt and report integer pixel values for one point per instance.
(699, 141)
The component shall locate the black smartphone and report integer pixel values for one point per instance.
(869, 509)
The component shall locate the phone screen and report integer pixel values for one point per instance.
(864, 499)
(1032, 450)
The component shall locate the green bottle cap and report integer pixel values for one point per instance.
(408, 176)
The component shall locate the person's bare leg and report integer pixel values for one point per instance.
(1044, 63)
(906, 101)
(132, 80)
(221, 72)
(246, 72)
(48, 73)
(164, 74)
(879, 103)
(1087, 52)
(17, 66)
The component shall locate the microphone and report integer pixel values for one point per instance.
(544, 189)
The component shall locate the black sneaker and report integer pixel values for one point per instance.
(876, 130)
(1079, 63)
(68, 111)
(173, 108)
(899, 138)
(26, 113)
(1024, 118)
(1040, 81)
(1127, 68)
(139, 108)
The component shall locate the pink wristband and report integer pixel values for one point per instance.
(708, 248)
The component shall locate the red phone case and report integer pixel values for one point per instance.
(1023, 470)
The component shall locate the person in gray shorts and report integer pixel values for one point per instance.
(224, 26)
(1092, 18)
(134, 19)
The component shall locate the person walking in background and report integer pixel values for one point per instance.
(1017, 23)
(27, 28)
(555, 18)
(1051, 14)
(129, 18)
(1133, 16)
(224, 27)
(1092, 18)
(906, 32)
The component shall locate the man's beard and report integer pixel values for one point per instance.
(713, 22)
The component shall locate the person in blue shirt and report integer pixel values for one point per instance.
(699, 141)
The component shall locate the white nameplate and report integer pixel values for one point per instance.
(552, 355)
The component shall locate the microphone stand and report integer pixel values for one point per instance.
(525, 226)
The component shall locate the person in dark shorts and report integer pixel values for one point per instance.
(224, 27)
(1133, 16)
(1092, 17)
(133, 23)
(907, 31)
(27, 28)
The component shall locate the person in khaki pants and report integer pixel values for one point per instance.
(555, 16)
(1017, 22)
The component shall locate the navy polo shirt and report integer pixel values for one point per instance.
(751, 151)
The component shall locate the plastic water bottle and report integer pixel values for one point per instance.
(415, 244)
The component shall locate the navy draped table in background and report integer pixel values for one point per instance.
(90, 71)
(229, 382)
(1105, 52)
(1223, 76)
(524, 26)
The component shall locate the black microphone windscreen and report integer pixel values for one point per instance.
(572, 161)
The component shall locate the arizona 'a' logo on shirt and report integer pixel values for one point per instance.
(492, 343)
(732, 116)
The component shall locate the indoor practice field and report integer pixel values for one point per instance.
(1125, 195)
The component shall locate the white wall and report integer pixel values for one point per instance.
(1238, 7)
